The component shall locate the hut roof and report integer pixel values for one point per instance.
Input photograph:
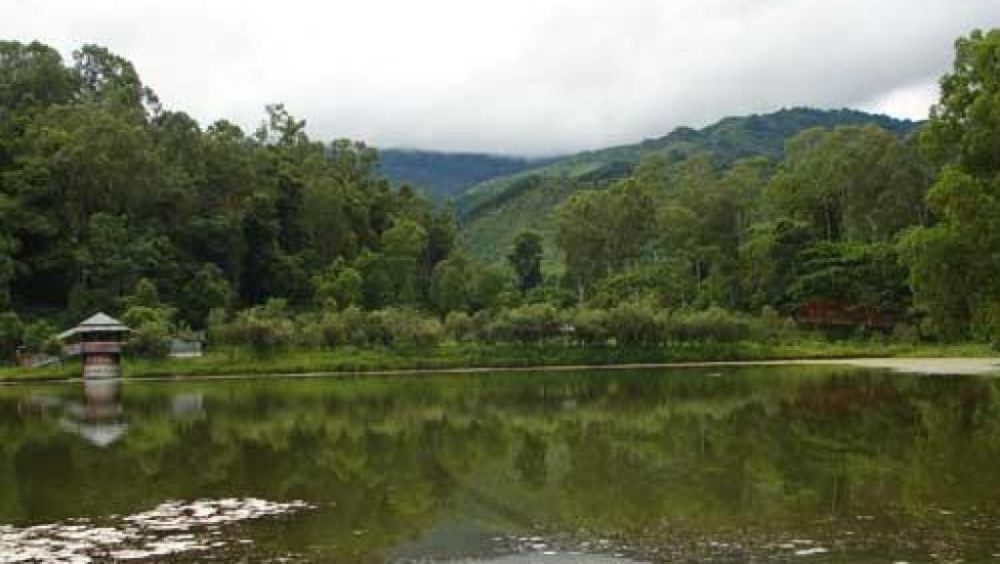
(98, 323)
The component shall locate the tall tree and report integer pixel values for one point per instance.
(964, 135)
(525, 258)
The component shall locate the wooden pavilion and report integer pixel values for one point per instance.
(98, 340)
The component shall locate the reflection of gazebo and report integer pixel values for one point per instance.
(98, 340)
(100, 419)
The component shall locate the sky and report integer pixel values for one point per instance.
(520, 77)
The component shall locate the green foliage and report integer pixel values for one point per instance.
(408, 327)
(149, 320)
(264, 329)
(109, 202)
(459, 326)
(590, 326)
(149, 339)
(603, 231)
(11, 334)
(495, 210)
(206, 290)
(529, 323)
(711, 325)
(526, 259)
(39, 336)
(954, 263)
(99, 187)
(633, 323)
(446, 175)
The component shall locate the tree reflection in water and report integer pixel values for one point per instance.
(686, 463)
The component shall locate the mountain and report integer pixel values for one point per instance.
(493, 211)
(446, 175)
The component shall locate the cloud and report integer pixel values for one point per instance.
(518, 76)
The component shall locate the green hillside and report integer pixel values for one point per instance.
(446, 175)
(493, 211)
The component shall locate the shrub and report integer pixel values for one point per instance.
(906, 334)
(590, 326)
(11, 332)
(771, 327)
(151, 339)
(356, 326)
(710, 325)
(407, 326)
(459, 326)
(308, 330)
(138, 315)
(262, 328)
(634, 323)
(482, 322)
(39, 335)
(334, 330)
(531, 323)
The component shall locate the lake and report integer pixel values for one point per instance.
(810, 464)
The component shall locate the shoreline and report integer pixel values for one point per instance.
(957, 366)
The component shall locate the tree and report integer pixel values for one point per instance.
(964, 135)
(347, 287)
(7, 269)
(99, 187)
(852, 183)
(111, 80)
(260, 235)
(402, 245)
(33, 75)
(11, 333)
(526, 259)
(205, 291)
(603, 231)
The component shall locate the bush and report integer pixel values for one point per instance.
(634, 323)
(150, 339)
(333, 330)
(459, 326)
(39, 335)
(482, 322)
(711, 325)
(772, 328)
(529, 323)
(590, 326)
(407, 326)
(905, 334)
(11, 333)
(308, 330)
(262, 328)
(356, 326)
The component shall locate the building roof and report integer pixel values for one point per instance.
(100, 322)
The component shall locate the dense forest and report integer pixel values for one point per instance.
(494, 211)
(110, 201)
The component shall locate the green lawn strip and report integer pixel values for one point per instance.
(456, 356)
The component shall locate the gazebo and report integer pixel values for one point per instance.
(98, 340)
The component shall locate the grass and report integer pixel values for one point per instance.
(236, 361)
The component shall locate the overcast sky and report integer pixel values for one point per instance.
(516, 76)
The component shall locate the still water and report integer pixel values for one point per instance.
(805, 464)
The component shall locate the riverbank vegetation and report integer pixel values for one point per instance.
(350, 359)
(270, 241)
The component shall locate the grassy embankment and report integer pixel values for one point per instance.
(237, 361)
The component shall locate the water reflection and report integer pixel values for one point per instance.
(747, 464)
(100, 419)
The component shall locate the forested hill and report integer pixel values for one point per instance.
(493, 211)
(446, 175)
